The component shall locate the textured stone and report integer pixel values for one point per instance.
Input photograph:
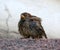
(29, 44)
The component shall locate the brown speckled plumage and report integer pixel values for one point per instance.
(30, 26)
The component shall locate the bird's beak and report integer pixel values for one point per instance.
(22, 16)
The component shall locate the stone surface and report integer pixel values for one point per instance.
(29, 44)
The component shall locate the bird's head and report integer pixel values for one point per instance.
(25, 15)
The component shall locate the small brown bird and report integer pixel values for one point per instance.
(30, 26)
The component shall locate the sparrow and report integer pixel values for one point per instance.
(30, 26)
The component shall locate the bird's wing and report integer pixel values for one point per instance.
(36, 24)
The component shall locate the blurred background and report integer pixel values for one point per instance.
(48, 10)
